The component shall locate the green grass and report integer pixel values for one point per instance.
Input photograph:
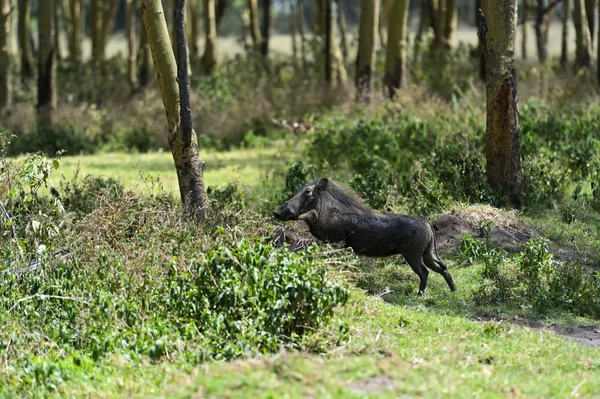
(249, 167)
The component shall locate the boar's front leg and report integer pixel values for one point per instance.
(416, 264)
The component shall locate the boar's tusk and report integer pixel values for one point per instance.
(311, 216)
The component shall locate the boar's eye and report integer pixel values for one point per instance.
(308, 193)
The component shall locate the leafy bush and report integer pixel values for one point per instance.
(52, 139)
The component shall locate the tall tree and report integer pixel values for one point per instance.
(365, 60)
(102, 20)
(25, 40)
(582, 36)
(502, 124)
(540, 38)
(440, 23)
(194, 7)
(395, 55)
(57, 46)
(209, 59)
(73, 17)
(293, 31)
(5, 75)
(174, 88)
(131, 48)
(341, 22)
(254, 25)
(266, 28)
(301, 24)
(451, 23)
(329, 38)
(590, 10)
(46, 63)
(566, 18)
(525, 29)
(144, 56)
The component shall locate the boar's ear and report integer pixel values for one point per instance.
(321, 185)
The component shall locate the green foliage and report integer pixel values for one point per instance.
(52, 139)
(84, 195)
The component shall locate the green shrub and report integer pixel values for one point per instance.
(52, 139)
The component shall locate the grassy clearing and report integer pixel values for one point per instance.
(249, 167)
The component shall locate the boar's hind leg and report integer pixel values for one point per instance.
(433, 261)
(416, 264)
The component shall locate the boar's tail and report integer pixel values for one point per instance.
(433, 261)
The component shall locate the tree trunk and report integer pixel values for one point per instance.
(131, 48)
(582, 36)
(318, 20)
(395, 55)
(145, 56)
(174, 88)
(424, 22)
(293, 32)
(598, 53)
(95, 27)
(266, 28)
(72, 13)
(254, 24)
(450, 24)
(383, 23)
(195, 28)
(221, 7)
(564, 52)
(25, 40)
(525, 29)
(329, 32)
(209, 59)
(57, 46)
(502, 124)
(5, 74)
(484, 6)
(13, 40)
(590, 9)
(46, 63)
(440, 21)
(301, 24)
(540, 39)
(342, 28)
(365, 60)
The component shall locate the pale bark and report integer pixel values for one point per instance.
(25, 40)
(103, 14)
(502, 124)
(341, 23)
(450, 24)
(5, 61)
(47, 97)
(209, 58)
(590, 9)
(365, 60)
(174, 88)
(582, 36)
(73, 17)
(254, 25)
(564, 53)
(395, 55)
(131, 44)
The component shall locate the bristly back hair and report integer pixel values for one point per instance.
(347, 197)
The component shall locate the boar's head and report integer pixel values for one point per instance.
(304, 201)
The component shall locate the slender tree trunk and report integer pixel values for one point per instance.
(383, 24)
(293, 31)
(440, 20)
(13, 40)
(254, 25)
(72, 13)
(25, 40)
(564, 52)
(395, 55)
(450, 24)
(131, 48)
(542, 45)
(46, 63)
(95, 27)
(145, 56)
(195, 28)
(502, 125)
(266, 28)
(174, 88)
(590, 9)
(220, 7)
(582, 36)
(365, 60)
(329, 32)
(341, 22)
(525, 29)
(335, 55)
(57, 46)
(424, 23)
(301, 24)
(209, 59)
(109, 12)
(5, 74)
(318, 19)
(484, 6)
(598, 54)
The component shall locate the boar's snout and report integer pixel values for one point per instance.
(283, 213)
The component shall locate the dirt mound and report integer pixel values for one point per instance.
(502, 228)
(295, 235)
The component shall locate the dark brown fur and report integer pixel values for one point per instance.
(334, 213)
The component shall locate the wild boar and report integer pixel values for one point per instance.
(334, 213)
